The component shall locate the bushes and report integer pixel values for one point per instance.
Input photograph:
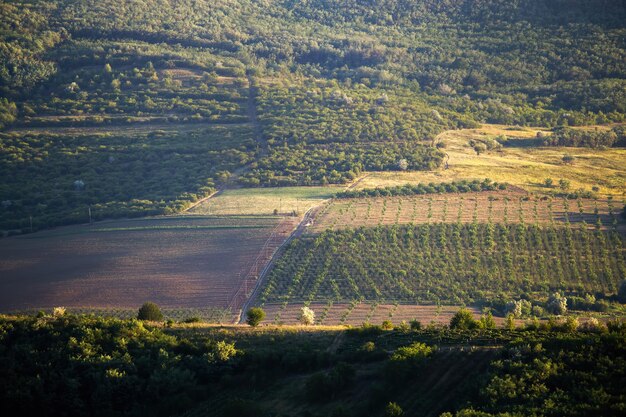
(462, 186)
(621, 294)
(150, 311)
(581, 138)
(557, 304)
(327, 386)
(463, 320)
(255, 316)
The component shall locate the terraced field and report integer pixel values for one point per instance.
(177, 262)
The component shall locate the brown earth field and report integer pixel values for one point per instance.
(177, 262)
(364, 312)
(499, 207)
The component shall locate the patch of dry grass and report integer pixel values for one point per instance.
(526, 167)
(263, 201)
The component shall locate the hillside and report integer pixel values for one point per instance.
(144, 107)
(95, 366)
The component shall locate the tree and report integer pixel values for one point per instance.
(621, 294)
(307, 316)
(568, 159)
(548, 182)
(509, 323)
(557, 304)
(564, 184)
(255, 316)
(487, 321)
(463, 320)
(150, 311)
(387, 325)
(480, 148)
(393, 410)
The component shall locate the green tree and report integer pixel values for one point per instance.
(621, 294)
(487, 321)
(463, 320)
(557, 304)
(150, 311)
(568, 159)
(509, 323)
(255, 316)
(393, 410)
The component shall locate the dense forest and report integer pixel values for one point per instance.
(70, 365)
(327, 89)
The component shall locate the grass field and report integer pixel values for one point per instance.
(177, 262)
(526, 167)
(492, 206)
(263, 201)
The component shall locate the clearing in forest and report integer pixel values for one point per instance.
(524, 166)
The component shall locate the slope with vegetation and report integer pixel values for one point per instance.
(338, 88)
(79, 365)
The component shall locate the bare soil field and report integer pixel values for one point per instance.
(499, 207)
(177, 262)
(355, 314)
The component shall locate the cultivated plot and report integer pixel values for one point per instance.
(190, 262)
(357, 313)
(490, 206)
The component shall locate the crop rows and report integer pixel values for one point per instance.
(359, 312)
(482, 207)
(452, 263)
(207, 315)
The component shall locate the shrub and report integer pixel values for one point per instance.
(593, 325)
(255, 316)
(58, 311)
(307, 316)
(150, 311)
(571, 324)
(621, 294)
(509, 323)
(387, 325)
(393, 410)
(463, 320)
(416, 325)
(322, 386)
(194, 319)
(557, 304)
(487, 321)
(414, 352)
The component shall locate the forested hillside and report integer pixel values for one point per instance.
(87, 366)
(326, 89)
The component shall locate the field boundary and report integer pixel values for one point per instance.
(298, 231)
